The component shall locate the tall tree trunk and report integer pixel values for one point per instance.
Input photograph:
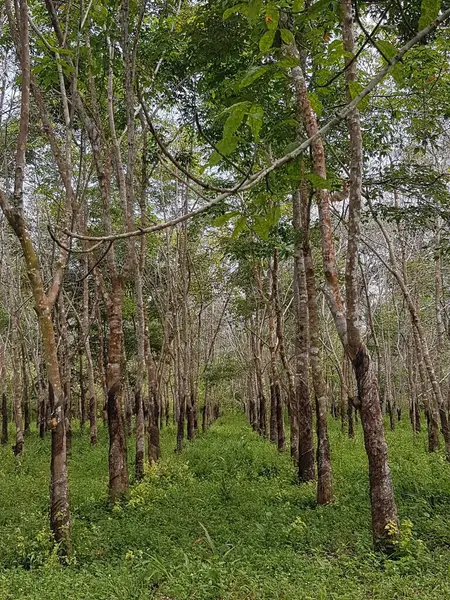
(82, 388)
(324, 476)
(101, 356)
(274, 383)
(291, 399)
(59, 502)
(64, 361)
(390, 400)
(17, 393)
(4, 420)
(261, 398)
(343, 397)
(276, 316)
(414, 411)
(140, 375)
(42, 411)
(154, 448)
(25, 393)
(117, 457)
(306, 470)
(92, 396)
(384, 510)
(348, 395)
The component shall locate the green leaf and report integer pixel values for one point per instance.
(254, 9)
(290, 147)
(237, 8)
(239, 226)
(222, 219)
(99, 13)
(274, 216)
(214, 159)
(318, 8)
(398, 74)
(318, 182)
(315, 103)
(355, 89)
(335, 50)
(255, 120)
(288, 62)
(235, 119)
(429, 10)
(227, 145)
(287, 36)
(265, 43)
(229, 109)
(388, 49)
(289, 123)
(298, 5)
(272, 17)
(252, 75)
(261, 227)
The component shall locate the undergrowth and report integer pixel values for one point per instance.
(225, 519)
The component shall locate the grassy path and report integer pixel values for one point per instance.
(225, 519)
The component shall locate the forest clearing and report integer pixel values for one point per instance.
(224, 299)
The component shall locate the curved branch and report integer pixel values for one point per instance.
(172, 159)
(260, 175)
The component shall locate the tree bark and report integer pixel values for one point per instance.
(25, 393)
(306, 470)
(17, 393)
(291, 400)
(4, 420)
(92, 396)
(82, 405)
(118, 468)
(324, 475)
(385, 525)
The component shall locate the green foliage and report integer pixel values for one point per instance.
(226, 519)
(237, 8)
(429, 10)
(235, 117)
(355, 89)
(265, 43)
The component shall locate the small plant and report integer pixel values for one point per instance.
(405, 543)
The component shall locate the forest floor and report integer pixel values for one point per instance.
(225, 519)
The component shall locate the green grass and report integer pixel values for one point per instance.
(225, 519)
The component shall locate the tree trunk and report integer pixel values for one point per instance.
(17, 395)
(117, 458)
(65, 367)
(274, 386)
(261, 399)
(385, 524)
(4, 420)
(154, 449)
(384, 510)
(306, 470)
(92, 396)
(82, 389)
(324, 476)
(42, 413)
(26, 397)
(140, 374)
(140, 434)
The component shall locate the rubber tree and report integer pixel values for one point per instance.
(44, 300)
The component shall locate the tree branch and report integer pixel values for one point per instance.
(260, 175)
